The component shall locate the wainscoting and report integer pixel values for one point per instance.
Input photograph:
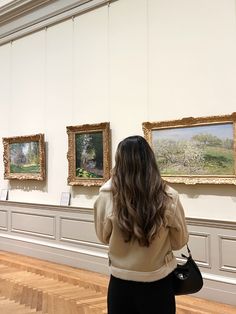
(66, 235)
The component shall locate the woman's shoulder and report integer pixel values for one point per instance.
(171, 205)
(106, 187)
(103, 202)
(171, 192)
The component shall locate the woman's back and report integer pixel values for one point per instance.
(128, 258)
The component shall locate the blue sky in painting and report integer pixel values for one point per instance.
(222, 131)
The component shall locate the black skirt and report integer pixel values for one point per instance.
(132, 297)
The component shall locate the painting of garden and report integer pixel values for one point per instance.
(89, 155)
(24, 157)
(196, 150)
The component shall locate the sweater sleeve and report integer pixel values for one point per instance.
(103, 224)
(178, 227)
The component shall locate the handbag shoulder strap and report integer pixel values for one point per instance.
(189, 252)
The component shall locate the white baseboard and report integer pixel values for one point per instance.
(63, 254)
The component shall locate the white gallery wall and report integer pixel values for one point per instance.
(126, 63)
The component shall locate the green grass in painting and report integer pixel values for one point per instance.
(81, 173)
(219, 161)
(25, 168)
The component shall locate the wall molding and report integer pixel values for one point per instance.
(211, 223)
(72, 209)
(16, 8)
(22, 18)
(223, 279)
(85, 243)
(225, 267)
(4, 226)
(58, 246)
(194, 221)
(13, 228)
(207, 248)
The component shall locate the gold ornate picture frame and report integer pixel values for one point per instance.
(195, 150)
(89, 157)
(24, 157)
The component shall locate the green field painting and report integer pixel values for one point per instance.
(24, 157)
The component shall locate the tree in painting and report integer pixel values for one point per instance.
(200, 150)
(24, 157)
(89, 155)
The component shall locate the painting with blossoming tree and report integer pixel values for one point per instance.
(195, 150)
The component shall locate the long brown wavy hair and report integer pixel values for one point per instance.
(138, 191)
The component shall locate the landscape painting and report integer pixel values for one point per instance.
(24, 157)
(89, 154)
(200, 150)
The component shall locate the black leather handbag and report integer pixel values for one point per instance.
(187, 278)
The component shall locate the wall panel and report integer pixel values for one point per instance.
(77, 230)
(33, 224)
(27, 85)
(3, 220)
(201, 243)
(91, 72)
(191, 56)
(128, 67)
(58, 104)
(227, 246)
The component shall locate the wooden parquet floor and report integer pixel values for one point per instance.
(29, 285)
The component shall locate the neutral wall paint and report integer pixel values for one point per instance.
(134, 61)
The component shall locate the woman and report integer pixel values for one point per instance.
(142, 221)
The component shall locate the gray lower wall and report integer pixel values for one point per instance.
(66, 235)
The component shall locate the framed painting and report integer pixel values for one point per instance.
(24, 157)
(195, 150)
(89, 159)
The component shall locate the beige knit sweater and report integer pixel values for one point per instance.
(130, 261)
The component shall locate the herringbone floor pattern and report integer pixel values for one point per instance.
(29, 285)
